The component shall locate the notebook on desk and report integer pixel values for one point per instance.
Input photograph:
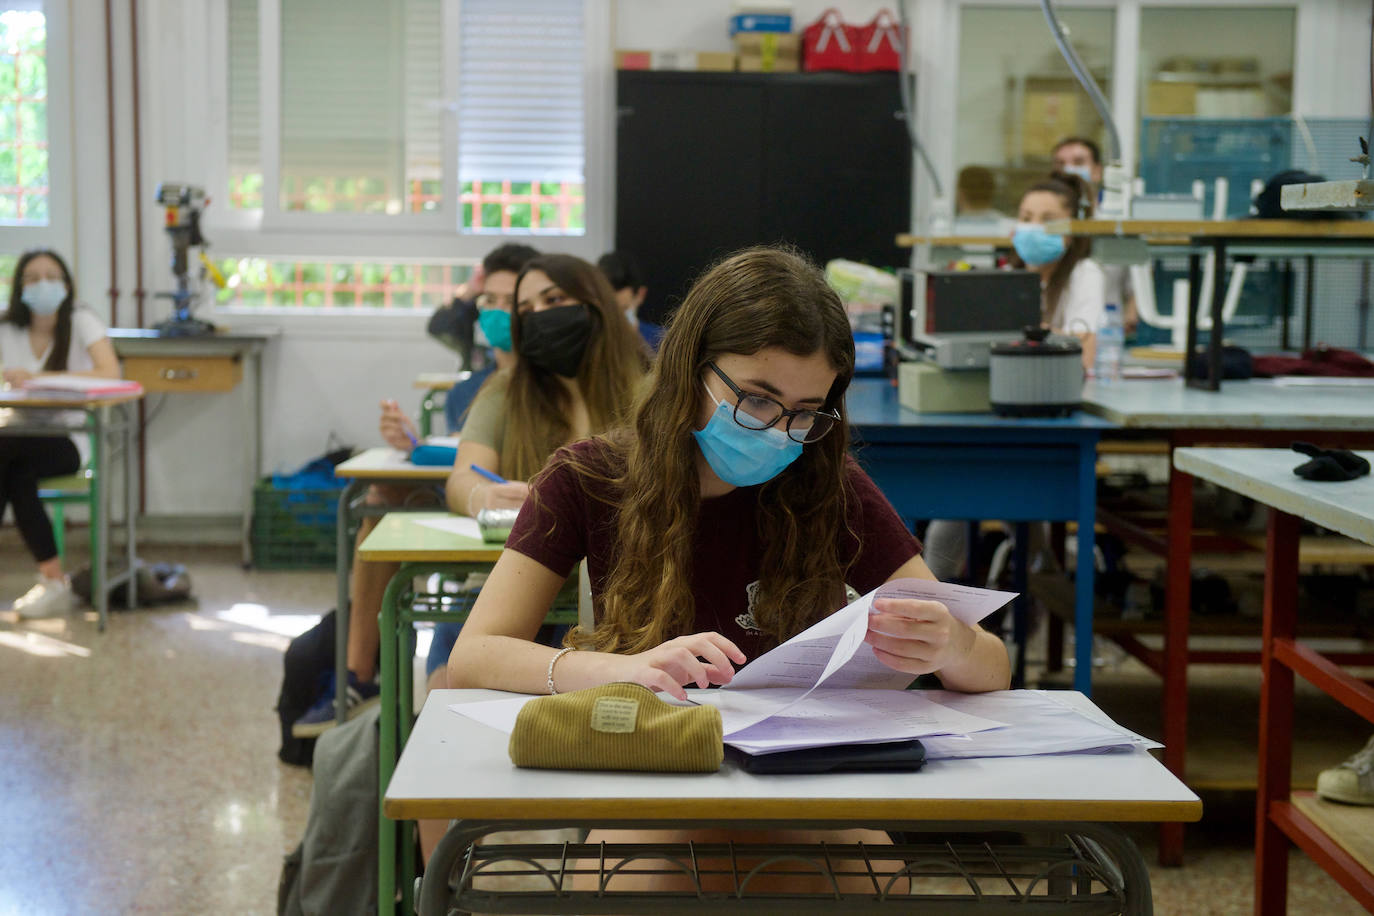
(79, 386)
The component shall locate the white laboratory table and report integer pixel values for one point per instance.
(1250, 412)
(1338, 837)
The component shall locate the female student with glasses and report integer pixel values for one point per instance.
(728, 518)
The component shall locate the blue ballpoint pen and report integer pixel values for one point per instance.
(489, 475)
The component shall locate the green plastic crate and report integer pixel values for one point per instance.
(294, 529)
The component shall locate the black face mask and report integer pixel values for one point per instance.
(556, 339)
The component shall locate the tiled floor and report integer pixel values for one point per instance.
(138, 771)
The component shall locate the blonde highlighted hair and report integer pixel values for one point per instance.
(613, 365)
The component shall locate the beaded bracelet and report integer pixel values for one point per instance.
(553, 661)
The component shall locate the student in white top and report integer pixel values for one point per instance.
(44, 332)
(1073, 288)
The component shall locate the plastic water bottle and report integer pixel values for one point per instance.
(1111, 340)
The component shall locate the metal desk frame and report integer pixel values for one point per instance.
(99, 426)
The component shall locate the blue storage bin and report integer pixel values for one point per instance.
(760, 22)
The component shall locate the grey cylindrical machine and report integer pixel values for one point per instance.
(1036, 377)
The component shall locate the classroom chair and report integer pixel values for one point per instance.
(57, 492)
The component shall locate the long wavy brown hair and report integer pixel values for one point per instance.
(756, 299)
(614, 364)
(1076, 196)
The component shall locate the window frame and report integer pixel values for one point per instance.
(58, 234)
(406, 237)
(938, 58)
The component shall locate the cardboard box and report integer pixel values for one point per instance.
(1047, 115)
(768, 52)
(1169, 98)
(715, 60)
(926, 388)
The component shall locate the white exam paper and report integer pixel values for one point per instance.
(860, 700)
(456, 524)
(828, 716)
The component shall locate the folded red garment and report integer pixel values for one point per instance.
(1329, 361)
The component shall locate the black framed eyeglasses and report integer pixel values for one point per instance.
(757, 411)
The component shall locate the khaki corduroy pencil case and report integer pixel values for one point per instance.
(619, 726)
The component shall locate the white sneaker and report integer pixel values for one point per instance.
(49, 598)
(1353, 781)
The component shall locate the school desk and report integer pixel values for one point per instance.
(981, 466)
(1249, 412)
(434, 384)
(1338, 837)
(206, 363)
(454, 767)
(403, 537)
(375, 465)
(104, 418)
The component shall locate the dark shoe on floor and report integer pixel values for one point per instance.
(319, 718)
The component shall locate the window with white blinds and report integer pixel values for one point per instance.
(362, 109)
(520, 76)
(521, 115)
(245, 132)
(360, 87)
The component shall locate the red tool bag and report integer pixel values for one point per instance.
(879, 44)
(830, 43)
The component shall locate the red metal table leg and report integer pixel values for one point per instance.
(1276, 713)
(1176, 613)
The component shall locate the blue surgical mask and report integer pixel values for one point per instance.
(495, 324)
(744, 457)
(1082, 171)
(44, 297)
(1036, 246)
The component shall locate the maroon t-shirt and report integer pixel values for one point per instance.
(564, 521)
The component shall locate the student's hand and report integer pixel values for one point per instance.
(394, 427)
(17, 377)
(501, 495)
(916, 636)
(702, 659)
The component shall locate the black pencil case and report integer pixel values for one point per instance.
(906, 756)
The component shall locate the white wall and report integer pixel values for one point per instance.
(326, 374)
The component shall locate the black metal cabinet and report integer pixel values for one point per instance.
(710, 162)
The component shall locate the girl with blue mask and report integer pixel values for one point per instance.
(726, 517)
(1073, 286)
(44, 331)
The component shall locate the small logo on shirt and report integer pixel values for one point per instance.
(746, 620)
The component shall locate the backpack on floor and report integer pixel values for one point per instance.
(158, 583)
(308, 664)
(334, 870)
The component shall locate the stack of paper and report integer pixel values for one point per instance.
(826, 687)
(81, 386)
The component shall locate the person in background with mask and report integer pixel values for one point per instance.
(1072, 286)
(628, 282)
(1082, 158)
(45, 331)
(480, 327)
(727, 518)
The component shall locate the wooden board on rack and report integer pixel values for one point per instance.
(1351, 826)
